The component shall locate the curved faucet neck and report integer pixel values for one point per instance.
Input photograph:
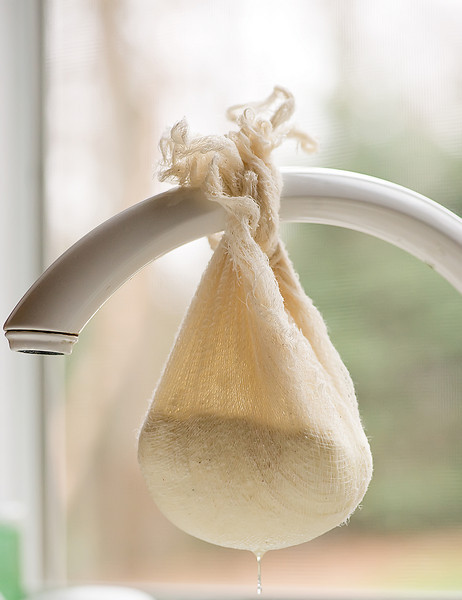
(51, 315)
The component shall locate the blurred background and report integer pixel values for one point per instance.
(379, 85)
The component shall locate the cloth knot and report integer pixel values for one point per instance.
(236, 169)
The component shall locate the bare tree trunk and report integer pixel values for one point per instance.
(113, 371)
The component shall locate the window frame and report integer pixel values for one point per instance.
(29, 383)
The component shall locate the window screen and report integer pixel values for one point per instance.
(379, 85)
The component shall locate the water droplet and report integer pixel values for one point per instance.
(259, 556)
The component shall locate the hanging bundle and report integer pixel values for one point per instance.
(253, 439)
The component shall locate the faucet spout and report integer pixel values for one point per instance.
(51, 315)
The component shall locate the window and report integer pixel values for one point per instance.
(378, 84)
(21, 377)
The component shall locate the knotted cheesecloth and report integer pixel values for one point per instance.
(253, 439)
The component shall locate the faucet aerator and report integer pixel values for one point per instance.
(50, 343)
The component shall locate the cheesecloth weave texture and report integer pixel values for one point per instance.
(253, 439)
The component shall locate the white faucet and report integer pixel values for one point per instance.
(51, 315)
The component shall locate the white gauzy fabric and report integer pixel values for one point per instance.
(253, 439)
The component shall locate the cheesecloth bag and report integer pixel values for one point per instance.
(253, 439)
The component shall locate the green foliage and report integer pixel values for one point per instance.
(10, 576)
(396, 324)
